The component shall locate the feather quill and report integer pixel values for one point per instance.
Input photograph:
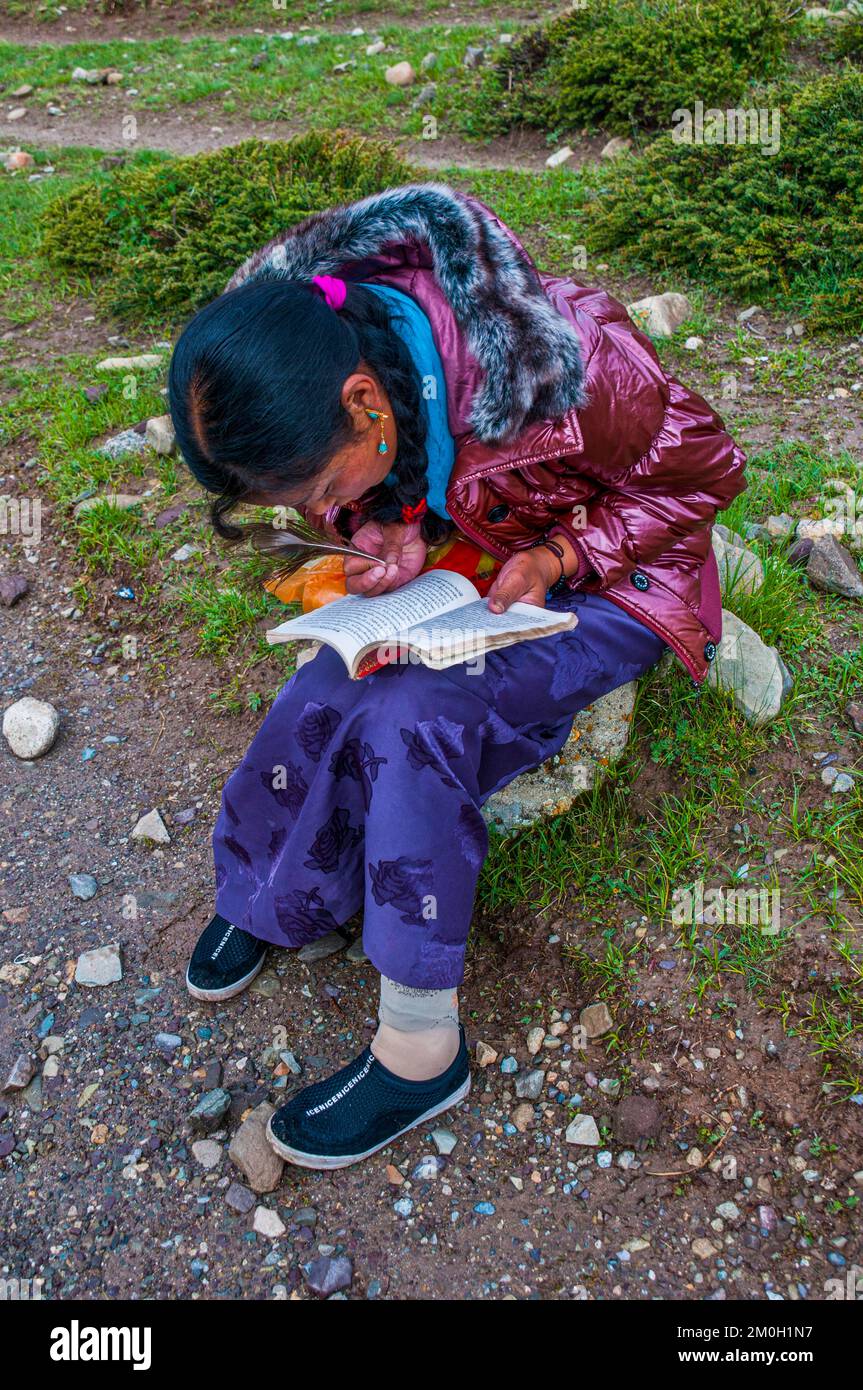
(293, 542)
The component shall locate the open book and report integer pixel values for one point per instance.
(437, 618)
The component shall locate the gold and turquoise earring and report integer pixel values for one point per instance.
(379, 415)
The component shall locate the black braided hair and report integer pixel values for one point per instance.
(255, 394)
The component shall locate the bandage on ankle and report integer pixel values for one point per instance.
(411, 1010)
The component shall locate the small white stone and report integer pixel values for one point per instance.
(693, 344)
(185, 552)
(160, 434)
(30, 727)
(559, 157)
(208, 1153)
(151, 827)
(142, 362)
(534, 1040)
(400, 75)
(617, 145)
(268, 1223)
(583, 1130)
(104, 966)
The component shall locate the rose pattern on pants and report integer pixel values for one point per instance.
(357, 760)
(332, 840)
(304, 914)
(432, 743)
(403, 883)
(315, 728)
(293, 793)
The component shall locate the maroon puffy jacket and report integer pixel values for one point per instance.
(560, 409)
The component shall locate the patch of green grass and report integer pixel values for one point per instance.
(291, 81)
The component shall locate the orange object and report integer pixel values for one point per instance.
(321, 581)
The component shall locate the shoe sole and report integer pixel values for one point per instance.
(329, 1161)
(213, 996)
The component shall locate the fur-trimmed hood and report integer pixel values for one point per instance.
(528, 353)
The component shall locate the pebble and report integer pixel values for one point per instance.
(208, 1153)
(400, 75)
(485, 1055)
(596, 1020)
(211, 1109)
(168, 1042)
(583, 1130)
(102, 966)
(252, 1153)
(122, 501)
(239, 1198)
(185, 552)
(12, 588)
(269, 1223)
(30, 727)
(661, 314)
(404, 1206)
(509, 1066)
(328, 1275)
(559, 157)
(324, 946)
(485, 1208)
(534, 1040)
(522, 1117)
(429, 1168)
(528, 1086)
(122, 445)
(84, 886)
(159, 435)
(616, 146)
(21, 1073)
(142, 362)
(151, 827)
(444, 1140)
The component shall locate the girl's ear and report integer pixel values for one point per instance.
(359, 394)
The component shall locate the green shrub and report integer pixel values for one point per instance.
(848, 39)
(786, 227)
(160, 237)
(624, 63)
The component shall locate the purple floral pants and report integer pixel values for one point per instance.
(367, 794)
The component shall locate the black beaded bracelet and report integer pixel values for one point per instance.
(555, 550)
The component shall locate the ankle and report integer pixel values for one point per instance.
(417, 1056)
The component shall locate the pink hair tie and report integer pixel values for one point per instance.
(334, 290)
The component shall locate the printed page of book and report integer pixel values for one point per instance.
(474, 623)
(353, 623)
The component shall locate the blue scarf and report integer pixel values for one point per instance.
(413, 327)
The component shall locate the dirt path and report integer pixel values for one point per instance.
(192, 131)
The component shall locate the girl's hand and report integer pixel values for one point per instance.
(401, 555)
(525, 578)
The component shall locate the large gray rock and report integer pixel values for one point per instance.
(831, 568)
(740, 570)
(599, 736)
(753, 672)
(661, 314)
(30, 727)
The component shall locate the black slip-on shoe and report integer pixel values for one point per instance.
(225, 960)
(361, 1109)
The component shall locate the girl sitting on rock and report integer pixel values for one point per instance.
(399, 370)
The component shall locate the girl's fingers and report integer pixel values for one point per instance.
(368, 581)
